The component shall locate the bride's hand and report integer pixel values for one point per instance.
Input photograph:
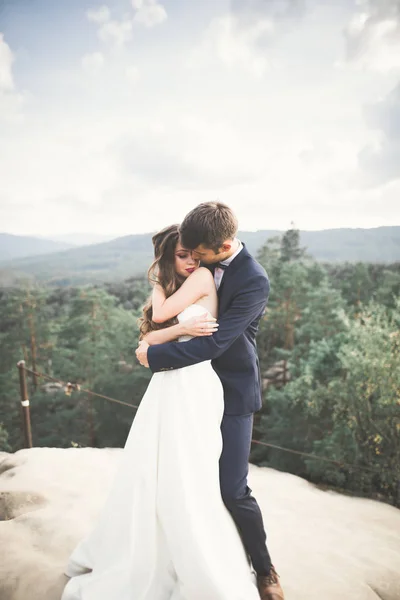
(200, 326)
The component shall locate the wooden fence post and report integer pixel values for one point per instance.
(26, 417)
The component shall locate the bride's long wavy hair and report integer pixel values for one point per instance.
(162, 271)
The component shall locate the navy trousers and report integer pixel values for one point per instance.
(233, 468)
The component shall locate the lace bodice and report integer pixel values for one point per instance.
(194, 310)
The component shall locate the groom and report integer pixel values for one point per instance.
(209, 230)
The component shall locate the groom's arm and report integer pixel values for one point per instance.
(246, 306)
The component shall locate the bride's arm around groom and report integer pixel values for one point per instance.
(246, 306)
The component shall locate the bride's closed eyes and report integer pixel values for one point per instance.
(185, 262)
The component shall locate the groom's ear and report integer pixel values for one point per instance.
(226, 246)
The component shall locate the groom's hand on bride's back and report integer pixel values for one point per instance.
(141, 353)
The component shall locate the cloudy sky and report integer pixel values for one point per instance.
(119, 117)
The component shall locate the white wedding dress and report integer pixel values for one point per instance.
(164, 532)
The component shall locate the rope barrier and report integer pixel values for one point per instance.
(78, 388)
(337, 463)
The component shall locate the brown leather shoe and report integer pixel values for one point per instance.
(269, 587)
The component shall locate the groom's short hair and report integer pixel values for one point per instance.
(210, 224)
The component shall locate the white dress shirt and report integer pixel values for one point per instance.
(219, 273)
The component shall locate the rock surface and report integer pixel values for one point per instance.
(324, 545)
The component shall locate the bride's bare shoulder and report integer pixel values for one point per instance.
(202, 274)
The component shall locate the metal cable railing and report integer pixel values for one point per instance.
(70, 387)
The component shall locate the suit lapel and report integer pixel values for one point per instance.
(229, 275)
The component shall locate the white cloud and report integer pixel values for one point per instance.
(116, 33)
(133, 174)
(234, 45)
(193, 153)
(380, 159)
(6, 61)
(278, 144)
(10, 100)
(111, 31)
(373, 35)
(132, 74)
(149, 12)
(99, 15)
(93, 63)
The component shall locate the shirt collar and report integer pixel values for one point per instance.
(228, 261)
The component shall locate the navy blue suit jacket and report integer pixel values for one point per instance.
(242, 295)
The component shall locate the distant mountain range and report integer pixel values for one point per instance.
(131, 255)
(18, 246)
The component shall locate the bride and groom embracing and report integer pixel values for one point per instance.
(180, 522)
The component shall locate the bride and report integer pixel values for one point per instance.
(164, 532)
